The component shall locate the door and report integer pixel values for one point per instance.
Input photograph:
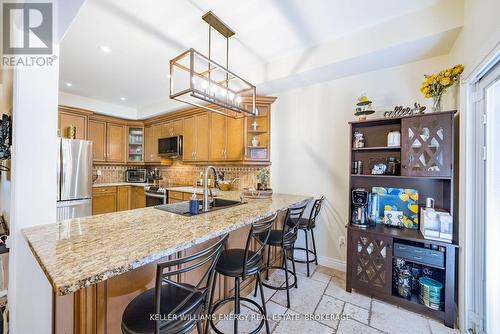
(76, 169)
(202, 137)
(427, 145)
(103, 200)
(235, 143)
(97, 134)
(115, 149)
(123, 198)
(189, 138)
(217, 137)
(68, 119)
(371, 255)
(135, 144)
(138, 199)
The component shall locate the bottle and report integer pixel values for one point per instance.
(194, 205)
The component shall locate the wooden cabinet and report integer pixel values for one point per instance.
(97, 134)
(174, 128)
(138, 199)
(426, 145)
(151, 135)
(135, 144)
(123, 198)
(226, 138)
(196, 138)
(371, 261)
(115, 142)
(103, 200)
(258, 127)
(175, 197)
(67, 119)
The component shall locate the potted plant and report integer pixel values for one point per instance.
(435, 85)
(263, 179)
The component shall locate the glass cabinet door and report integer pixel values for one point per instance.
(427, 145)
(135, 144)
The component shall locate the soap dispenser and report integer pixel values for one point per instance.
(194, 205)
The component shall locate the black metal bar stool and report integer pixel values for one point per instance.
(241, 263)
(284, 238)
(307, 225)
(173, 307)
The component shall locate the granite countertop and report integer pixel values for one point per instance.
(191, 189)
(76, 253)
(117, 184)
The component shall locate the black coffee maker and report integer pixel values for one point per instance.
(360, 199)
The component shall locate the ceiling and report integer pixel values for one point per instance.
(278, 44)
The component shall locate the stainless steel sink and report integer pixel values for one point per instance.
(182, 208)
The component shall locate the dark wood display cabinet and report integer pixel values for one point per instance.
(428, 156)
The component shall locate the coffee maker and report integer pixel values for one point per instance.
(360, 199)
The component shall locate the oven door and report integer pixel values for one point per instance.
(153, 199)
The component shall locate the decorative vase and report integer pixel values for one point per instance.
(436, 103)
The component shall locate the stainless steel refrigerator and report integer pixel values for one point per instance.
(74, 178)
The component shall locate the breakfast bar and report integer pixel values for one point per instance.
(97, 264)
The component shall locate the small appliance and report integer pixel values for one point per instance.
(136, 175)
(170, 146)
(360, 208)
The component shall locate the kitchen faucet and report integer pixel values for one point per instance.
(205, 186)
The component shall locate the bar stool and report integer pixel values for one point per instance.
(284, 238)
(176, 307)
(307, 225)
(241, 263)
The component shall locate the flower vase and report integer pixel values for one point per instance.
(436, 103)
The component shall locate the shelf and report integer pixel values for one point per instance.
(418, 262)
(256, 131)
(258, 147)
(135, 154)
(415, 303)
(137, 144)
(384, 176)
(377, 148)
(401, 233)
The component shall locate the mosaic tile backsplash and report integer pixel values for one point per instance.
(183, 175)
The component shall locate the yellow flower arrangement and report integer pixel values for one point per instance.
(435, 85)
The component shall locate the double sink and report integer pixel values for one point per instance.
(182, 208)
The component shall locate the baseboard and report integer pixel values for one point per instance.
(330, 262)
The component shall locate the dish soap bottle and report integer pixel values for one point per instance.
(194, 205)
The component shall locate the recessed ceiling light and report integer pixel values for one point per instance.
(105, 48)
(69, 84)
(123, 98)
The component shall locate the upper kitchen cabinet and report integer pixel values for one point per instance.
(97, 134)
(115, 143)
(196, 138)
(151, 135)
(109, 141)
(427, 143)
(71, 117)
(135, 144)
(174, 128)
(226, 138)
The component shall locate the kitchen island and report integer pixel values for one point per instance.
(97, 264)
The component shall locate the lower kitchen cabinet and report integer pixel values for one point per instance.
(123, 198)
(103, 200)
(138, 199)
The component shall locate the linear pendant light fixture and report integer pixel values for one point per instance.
(199, 81)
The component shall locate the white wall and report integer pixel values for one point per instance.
(102, 107)
(310, 139)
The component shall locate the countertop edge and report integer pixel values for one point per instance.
(65, 289)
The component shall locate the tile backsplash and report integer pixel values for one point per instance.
(181, 174)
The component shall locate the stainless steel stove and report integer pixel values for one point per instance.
(155, 195)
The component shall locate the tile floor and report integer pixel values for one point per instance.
(322, 296)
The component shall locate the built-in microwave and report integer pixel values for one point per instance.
(136, 175)
(170, 146)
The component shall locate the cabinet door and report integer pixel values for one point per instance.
(427, 145)
(148, 143)
(103, 203)
(151, 136)
(371, 266)
(202, 137)
(217, 137)
(97, 134)
(189, 143)
(176, 127)
(116, 138)
(68, 119)
(138, 199)
(235, 143)
(123, 198)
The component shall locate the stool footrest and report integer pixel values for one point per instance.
(231, 299)
(304, 261)
(279, 287)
